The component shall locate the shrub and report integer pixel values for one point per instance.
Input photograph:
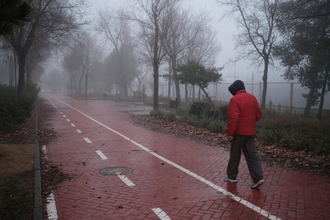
(216, 126)
(296, 133)
(158, 113)
(170, 116)
(270, 135)
(223, 112)
(200, 109)
(14, 110)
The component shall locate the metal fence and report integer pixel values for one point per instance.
(281, 96)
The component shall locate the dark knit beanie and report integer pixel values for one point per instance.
(236, 86)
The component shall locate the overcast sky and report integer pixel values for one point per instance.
(222, 23)
(227, 32)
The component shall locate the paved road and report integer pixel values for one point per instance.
(160, 176)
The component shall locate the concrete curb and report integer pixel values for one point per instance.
(38, 207)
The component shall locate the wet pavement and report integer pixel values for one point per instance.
(123, 171)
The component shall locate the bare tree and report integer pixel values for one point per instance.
(117, 31)
(201, 46)
(72, 63)
(38, 53)
(153, 28)
(257, 20)
(79, 60)
(51, 21)
(180, 36)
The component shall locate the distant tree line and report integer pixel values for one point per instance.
(163, 37)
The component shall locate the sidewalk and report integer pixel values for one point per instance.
(163, 176)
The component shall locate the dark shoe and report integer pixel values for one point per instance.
(227, 179)
(257, 184)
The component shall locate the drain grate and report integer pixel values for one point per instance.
(114, 171)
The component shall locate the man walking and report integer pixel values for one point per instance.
(243, 113)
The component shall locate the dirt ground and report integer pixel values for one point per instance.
(16, 158)
(17, 162)
(17, 181)
(273, 155)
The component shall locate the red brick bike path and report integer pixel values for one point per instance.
(287, 194)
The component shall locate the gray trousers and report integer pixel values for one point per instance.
(246, 144)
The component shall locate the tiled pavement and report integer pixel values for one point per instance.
(286, 194)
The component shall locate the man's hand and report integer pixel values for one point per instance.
(230, 138)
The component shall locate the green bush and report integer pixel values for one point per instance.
(200, 109)
(170, 116)
(14, 110)
(216, 126)
(296, 133)
(156, 113)
(270, 135)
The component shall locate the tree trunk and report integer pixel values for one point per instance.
(156, 85)
(80, 80)
(86, 84)
(193, 96)
(207, 96)
(310, 99)
(324, 86)
(176, 82)
(11, 71)
(71, 85)
(169, 80)
(15, 69)
(155, 63)
(186, 92)
(264, 79)
(28, 73)
(21, 56)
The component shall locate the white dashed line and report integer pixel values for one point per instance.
(78, 131)
(64, 116)
(161, 214)
(127, 181)
(202, 179)
(73, 125)
(68, 120)
(61, 113)
(51, 207)
(88, 140)
(103, 157)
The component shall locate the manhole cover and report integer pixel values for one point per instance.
(114, 171)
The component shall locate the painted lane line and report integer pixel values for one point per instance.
(125, 179)
(161, 214)
(78, 131)
(103, 157)
(73, 125)
(87, 140)
(203, 180)
(64, 116)
(68, 120)
(61, 113)
(51, 207)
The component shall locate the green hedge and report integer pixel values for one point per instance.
(292, 132)
(14, 110)
(296, 133)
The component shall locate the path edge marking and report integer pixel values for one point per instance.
(238, 199)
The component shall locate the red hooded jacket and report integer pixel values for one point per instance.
(243, 113)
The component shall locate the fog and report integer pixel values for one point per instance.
(112, 67)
